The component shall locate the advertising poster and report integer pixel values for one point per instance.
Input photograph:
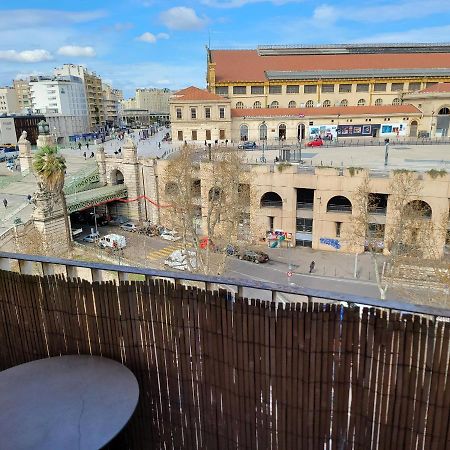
(326, 132)
(398, 129)
(358, 130)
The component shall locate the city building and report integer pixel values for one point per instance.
(112, 99)
(7, 131)
(22, 88)
(93, 90)
(129, 103)
(8, 100)
(153, 100)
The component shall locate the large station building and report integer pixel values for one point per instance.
(293, 93)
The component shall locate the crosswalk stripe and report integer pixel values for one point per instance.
(164, 252)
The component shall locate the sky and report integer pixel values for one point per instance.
(161, 43)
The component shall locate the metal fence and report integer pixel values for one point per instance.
(219, 371)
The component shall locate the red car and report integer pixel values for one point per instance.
(315, 143)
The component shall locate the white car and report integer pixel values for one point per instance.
(170, 236)
(181, 260)
(129, 226)
(93, 237)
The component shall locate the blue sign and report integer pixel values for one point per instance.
(331, 242)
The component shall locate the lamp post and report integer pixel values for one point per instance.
(386, 151)
(431, 127)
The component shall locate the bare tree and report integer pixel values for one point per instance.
(213, 205)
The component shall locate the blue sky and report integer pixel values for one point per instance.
(155, 43)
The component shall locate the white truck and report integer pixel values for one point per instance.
(112, 241)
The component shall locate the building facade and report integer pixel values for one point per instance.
(7, 131)
(112, 105)
(8, 100)
(93, 91)
(22, 88)
(153, 100)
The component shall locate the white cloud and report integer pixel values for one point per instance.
(182, 18)
(239, 3)
(75, 50)
(325, 13)
(25, 56)
(151, 38)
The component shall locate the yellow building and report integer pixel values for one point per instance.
(22, 88)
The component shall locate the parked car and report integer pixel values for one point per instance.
(92, 237)
(170, 236)
(129, 226)
(254, 256)
(318, 142)
(247, 145)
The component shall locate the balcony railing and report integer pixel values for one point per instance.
(305, 205)
(339, 208)
(211, 364)
(271, 204)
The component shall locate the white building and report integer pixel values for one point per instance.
(7, 131)
(8, 100)
(153, 100)
(112, 105)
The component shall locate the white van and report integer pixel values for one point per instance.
(112, 241)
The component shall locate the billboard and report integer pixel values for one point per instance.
(358, 130)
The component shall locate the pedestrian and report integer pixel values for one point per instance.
(29, 198)
(87, 145)
(84, 154)
(206, 143)
(311, 266)
(5, 202)
(120, 150)
(92, 154)
(159, 144)
(79, 145)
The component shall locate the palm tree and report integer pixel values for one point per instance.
(50, 168)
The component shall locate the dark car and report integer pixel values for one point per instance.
(254, 256)
(247, 145)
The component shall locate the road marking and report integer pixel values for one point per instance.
(163, 252)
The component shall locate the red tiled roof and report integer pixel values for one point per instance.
(439, 87)
(194, 93)
(331, 111)
(247, 65)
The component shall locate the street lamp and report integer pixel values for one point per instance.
(386, 151)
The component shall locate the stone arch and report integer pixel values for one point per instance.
(419, 209)
(282, 131)
(413, 128)
(339, 203)
(263, 132)
(243, 132)
(116, 177)
(271, 199)
(443, 121)
(301, 131)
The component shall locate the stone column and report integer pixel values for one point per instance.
(25, 157)
(101, 163)
(45, 140)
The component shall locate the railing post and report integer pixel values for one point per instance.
(26, 267)
(5, 264)
(47, 268)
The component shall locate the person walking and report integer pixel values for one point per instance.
(159, 144)
(29, 198)
(311, 266)
(92, 155)
(79, 145)
(84, 154)
(5, 202)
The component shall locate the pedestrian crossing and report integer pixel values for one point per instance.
(163, 253)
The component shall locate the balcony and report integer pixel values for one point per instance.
(214, 367)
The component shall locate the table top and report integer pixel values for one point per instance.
(66, 402)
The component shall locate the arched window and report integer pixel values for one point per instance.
(274, 104)
(292, 104)
(282, 132)
(339, 204)
(361, 102)
(396, 101)
(244, 132)
(344, 102)
(326, 104)
(239, 105)
(444, 111)
(263, 132)
(378, 102)
(117, 177)
(271, 200)
(418, 208)
(309, 104)
(257, 105)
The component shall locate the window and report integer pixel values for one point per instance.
(362, 87)
(327, 87)
(194, 135)
(396, 101)
(221, 112)
(344, 102)
(221, 134)
(379, 87)
(274, 104)
(378, 102)
(239, 105)
(304, 225)
(275, 89)
(345, 88)
(397, 86)
(414, 86)
(309, 104)
(239, 90)
(292, 104)
(222, 90)
(180, 135)
(207, 113)
(193, 113)
(326, 104)
(257, 90)
(338, 228)
(292, 89)
(208, 135)
(361, 102)
(271, 222)
(257, 105)
(310, 88)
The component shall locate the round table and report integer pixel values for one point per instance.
(65, 402)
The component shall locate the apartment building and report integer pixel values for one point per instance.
(153, 100)
(112, 105)
(8, 100)
(22, 88)
(93, 90)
